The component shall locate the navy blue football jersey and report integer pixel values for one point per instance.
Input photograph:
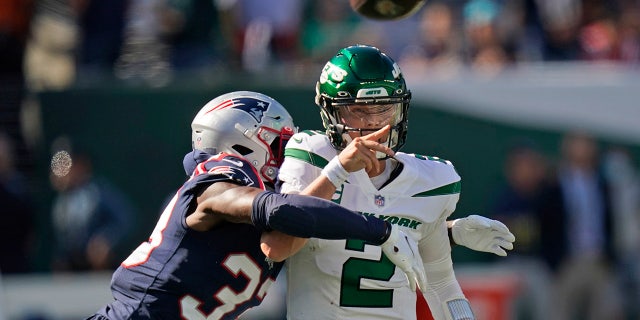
(180, 273)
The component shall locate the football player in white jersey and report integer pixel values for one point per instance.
(364, 102)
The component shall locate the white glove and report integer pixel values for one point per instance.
(402, 250)
(482, 234)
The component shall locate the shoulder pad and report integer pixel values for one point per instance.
(432, 173)
(310, 146)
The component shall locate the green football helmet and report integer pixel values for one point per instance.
(360, 76)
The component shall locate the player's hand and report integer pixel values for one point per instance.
(482, 234)
(361, 151)
(402, 250)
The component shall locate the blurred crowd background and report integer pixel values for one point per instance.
(62, 43)
(572, 197)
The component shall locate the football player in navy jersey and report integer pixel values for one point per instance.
(204, 258)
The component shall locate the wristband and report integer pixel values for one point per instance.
(460, 309)
(335, 172)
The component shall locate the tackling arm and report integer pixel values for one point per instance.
(222, 201)
(297, 215)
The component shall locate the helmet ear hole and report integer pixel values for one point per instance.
(242, 150)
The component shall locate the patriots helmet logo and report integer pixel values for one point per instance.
(255, 107)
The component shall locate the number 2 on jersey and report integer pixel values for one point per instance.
(355, 269)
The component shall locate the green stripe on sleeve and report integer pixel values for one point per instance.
(451, 188)
(306, 156)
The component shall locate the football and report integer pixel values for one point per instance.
(386, 9)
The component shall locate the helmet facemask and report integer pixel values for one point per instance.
(365, 116)
(275, 141)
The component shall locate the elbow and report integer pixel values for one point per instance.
(278, 246)
(273, 254)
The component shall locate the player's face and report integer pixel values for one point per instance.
(370, 117)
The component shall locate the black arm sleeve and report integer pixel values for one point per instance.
(306, 217)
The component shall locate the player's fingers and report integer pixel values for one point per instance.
(381, 136)
(376, 146)
(377, 135)
(374, 139)
(507, 236)
(498, 251)
(497, 225)
(411, 277)
(479, 222)
(505, 244)
(352, 157)
(369, 158)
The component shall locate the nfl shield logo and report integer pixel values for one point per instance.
(378, 200)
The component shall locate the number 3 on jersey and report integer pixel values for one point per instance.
(355, 269)
(236, 264)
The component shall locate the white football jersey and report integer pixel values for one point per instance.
(350, 279)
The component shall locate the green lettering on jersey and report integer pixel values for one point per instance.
(414, 224)
(393, 220)
(404, 222)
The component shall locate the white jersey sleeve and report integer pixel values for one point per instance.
(442, 283)
(306, 153)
